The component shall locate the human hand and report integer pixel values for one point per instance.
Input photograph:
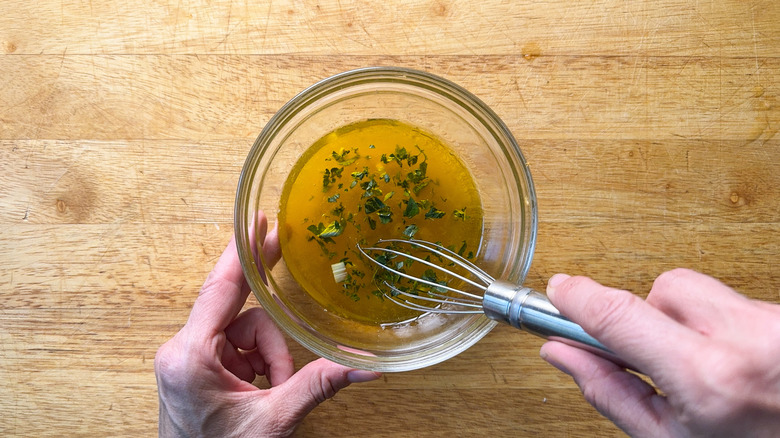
(205, 372)
(713, 354)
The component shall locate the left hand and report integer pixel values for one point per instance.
(205, 372)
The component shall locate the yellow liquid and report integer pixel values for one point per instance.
(354, 185)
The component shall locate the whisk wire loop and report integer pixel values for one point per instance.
(427, 309)
(422, 280)
(434, 297)
(451, 256)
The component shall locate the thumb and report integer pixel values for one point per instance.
(312, 385)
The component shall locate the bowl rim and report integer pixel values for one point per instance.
(486, 117)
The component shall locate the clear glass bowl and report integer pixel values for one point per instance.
(469, 127)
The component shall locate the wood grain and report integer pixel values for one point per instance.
(650, 129)
(404, 27)
(217, 97)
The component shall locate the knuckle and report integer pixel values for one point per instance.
(610, 309)
(731, 375)
(669, 280)
(590, 394)
(273, 370)
(593, 393)
(325, 389)
(164, 359)
(714, 393)
(169, 366)
(255, 312)
(575, 283)
(173, 361)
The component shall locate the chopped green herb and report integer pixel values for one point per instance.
(411, 208)
(330, 176)
(374, 204)
(343, 158)
(462, 249)
(326, 233)
(332, 230)
(325, 251)
(385, 216)
(371, 188)
(460, 214)
(410, 231)
(434, 213)
(334, 198)
(400, 154)
(430, 275)
(418, 175)
(361, 174)
(416, 189)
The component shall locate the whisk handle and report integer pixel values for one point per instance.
(528, 310)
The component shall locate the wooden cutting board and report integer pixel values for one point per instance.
(650, 128)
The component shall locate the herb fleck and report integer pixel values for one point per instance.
(434, 213)
(411, 208)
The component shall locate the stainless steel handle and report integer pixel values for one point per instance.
(528, 310)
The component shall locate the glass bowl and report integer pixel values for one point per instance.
(476, 135)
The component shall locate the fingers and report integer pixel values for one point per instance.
(224, 292)
(313, 384)
(697, 301)
(622, 397)
(636, 331)
(267, 354)
(262, 241)
(271, 249)
(237, 363)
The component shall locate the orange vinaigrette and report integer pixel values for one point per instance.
(371, 180)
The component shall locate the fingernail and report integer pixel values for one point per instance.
(359, 376)
(556, 280)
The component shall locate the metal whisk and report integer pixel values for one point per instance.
(518, 306)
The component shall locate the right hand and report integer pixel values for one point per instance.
(713, 353)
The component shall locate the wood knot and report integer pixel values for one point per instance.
(61, 206)
(734, 198)
(440, 9)
(531, 51)
(9, 47)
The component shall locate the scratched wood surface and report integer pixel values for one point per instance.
(650, 127)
